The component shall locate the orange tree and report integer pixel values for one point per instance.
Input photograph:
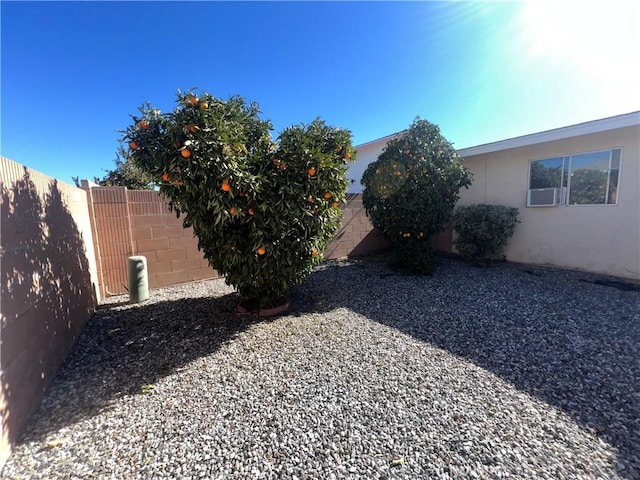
(410, 192)
(263, 210)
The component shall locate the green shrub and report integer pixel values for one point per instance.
(263, 211)
(410, 192)
(483, 231)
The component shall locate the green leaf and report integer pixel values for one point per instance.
(146, 389)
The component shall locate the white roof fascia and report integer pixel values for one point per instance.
(586, 128)
(378, 140)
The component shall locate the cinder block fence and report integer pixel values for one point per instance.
(138, 222)
(129, 222)
(49, 287)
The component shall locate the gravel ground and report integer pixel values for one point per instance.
(499, 372)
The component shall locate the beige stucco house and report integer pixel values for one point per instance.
(577, 189)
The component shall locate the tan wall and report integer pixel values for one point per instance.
(138, 222)
(48, 286)
(597, 238)
(356, 236)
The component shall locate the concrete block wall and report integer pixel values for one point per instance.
(113, 240)
(356, 236)
(48, 280)
(139, 222)
(171, 250)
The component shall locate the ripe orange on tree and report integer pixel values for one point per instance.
(261, 251)
(250, 211)
(143, 124)
(186, 153)
(193, 100)
(225, 186)
(311, 172)
(166, 177)
(133, 145)
(327, 195)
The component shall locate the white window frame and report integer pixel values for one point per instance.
(567, 167)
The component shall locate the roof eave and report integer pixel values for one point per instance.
(586, 128)
(383, 140)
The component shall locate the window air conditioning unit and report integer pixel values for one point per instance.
(543, 197)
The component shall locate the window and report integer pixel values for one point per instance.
(580, 179)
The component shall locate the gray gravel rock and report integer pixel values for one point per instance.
(498, 372)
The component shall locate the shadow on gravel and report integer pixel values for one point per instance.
(124, 348)
(571, 344)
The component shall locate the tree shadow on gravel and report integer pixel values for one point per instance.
(574, 345)
(123, 348)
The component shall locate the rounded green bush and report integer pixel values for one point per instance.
(263, 210)
(483, 231)
(410, 192)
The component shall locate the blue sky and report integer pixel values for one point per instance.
(73, 72)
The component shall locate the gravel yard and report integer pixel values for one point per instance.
(499, 372)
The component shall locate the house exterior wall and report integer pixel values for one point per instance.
(596, 238)
(366, 154)
(49, 287)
